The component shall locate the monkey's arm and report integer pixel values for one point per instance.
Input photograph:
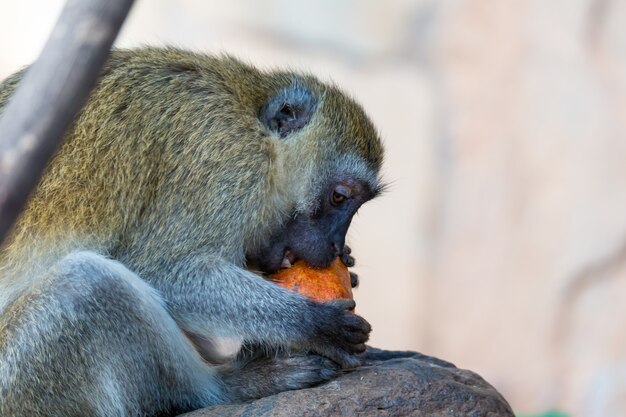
(215, 297)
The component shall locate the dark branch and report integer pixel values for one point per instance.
(49, 96)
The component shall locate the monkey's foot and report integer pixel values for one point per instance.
(259, 376)
(388, 384)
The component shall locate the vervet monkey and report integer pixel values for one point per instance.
(181, 172)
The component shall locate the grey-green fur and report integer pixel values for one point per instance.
(140, 229)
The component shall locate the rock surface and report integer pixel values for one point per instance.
(389, 384)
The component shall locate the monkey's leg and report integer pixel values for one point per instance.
(92, 339)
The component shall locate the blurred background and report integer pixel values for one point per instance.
(501, 243)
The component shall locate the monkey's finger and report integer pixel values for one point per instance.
(352, 342)
(354, 338)
(347, 260)
(360, 348)
(343, 304)
(342, 358)
(354, 280)
(356, 323)
(348, 361)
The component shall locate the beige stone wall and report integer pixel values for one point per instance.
(501, 244)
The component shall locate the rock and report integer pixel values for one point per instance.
(389, 384)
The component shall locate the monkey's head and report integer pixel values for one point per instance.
(337, 155)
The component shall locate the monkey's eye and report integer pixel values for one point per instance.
(340, 194)
(288, 111)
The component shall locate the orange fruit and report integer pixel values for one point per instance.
(320, 284)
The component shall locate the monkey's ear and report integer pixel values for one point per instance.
(289, 110)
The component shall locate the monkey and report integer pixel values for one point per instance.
(183, 173)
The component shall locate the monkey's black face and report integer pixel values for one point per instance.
(317, 237)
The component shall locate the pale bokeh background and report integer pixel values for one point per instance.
(501, 244)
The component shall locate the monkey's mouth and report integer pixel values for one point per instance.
(277, 259)
(288, 259)
(271, 261)
(282, 253)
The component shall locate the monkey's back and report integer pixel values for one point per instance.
(154, 144)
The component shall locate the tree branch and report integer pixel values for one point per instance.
(50, 95)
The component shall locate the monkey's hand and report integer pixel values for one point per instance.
(337, 333)
(348, 260)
